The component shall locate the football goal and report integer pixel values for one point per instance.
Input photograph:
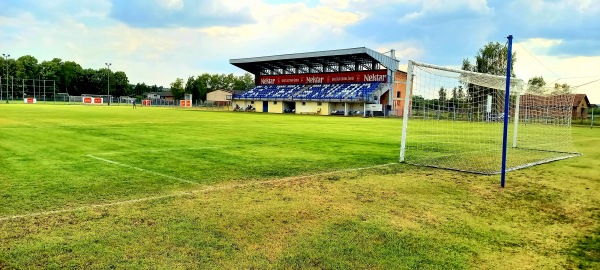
(454, 120)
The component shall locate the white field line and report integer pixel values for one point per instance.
(163, 150)
(140, 169)
(181, 194)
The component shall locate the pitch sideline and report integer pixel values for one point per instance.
(141, 169)
(181, 194)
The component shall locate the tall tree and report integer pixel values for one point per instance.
(244, 82)
(491, 59)
(442, 94)
(27, 67)
(50, 69)
(140, 89)
(121, 84)
(561, 89)
(203, 83)
(192, 87)
(69, 75)
(461, 93)
(177, 89)
(536, 85)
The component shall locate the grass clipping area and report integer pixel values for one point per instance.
(395, 216)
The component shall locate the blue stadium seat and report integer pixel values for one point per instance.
(340, 91)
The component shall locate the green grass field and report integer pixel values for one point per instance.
(112, 187)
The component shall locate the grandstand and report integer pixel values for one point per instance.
(341, 82)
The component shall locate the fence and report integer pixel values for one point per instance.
(15, 90)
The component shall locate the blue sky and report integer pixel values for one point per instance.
(157, 41)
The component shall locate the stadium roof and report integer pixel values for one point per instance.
(353, 59)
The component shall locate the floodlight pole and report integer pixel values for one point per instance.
(6, 56)
(506, 111)
(108, 66)
(39, 81)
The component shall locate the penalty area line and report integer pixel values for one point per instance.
(140, 169)
(186, 193)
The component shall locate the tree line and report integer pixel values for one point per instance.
(73, 79)
(201, 85)
(69, 76)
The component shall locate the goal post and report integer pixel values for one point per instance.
(454, 119)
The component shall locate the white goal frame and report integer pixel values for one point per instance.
(495, 83)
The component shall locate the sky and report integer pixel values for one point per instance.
(157, 41)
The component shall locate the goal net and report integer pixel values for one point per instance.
(454, 120)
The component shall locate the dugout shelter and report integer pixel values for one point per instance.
(355, 81)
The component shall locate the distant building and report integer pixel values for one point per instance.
(555, 105)
(221, 97)
(160, 95)
(581, 104)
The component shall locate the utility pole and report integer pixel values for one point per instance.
(40, 83)
(108, 66)
(6, 56)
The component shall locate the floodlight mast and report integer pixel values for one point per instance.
(40, 82)
(108, 66)
(6, 56)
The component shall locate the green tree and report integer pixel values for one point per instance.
(203, 84)
(50, 70)
(69, 75)
(177, 89)
(442, 94)
(192, 87)
(536, 85)
(140, 89)
(461, 93)
(561, 89)
(121, 85)
(244, 82)
(491, 59)
(27, 67)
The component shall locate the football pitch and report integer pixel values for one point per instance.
(112, 186)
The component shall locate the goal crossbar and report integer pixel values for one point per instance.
(453, 120)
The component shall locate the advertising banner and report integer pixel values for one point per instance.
(92, 100)
(29, 100)
(185, 103)
(320, 78)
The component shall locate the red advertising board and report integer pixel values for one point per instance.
(319, 78)
(185, 103)
(29, 100)
(146, 102)
(92, 100)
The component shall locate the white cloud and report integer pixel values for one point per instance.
(86, 33)
(582, 6)
(336, 4)
(533, 60)
(284, 27)
(431, 7)
(171, 4)
(405, 50)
